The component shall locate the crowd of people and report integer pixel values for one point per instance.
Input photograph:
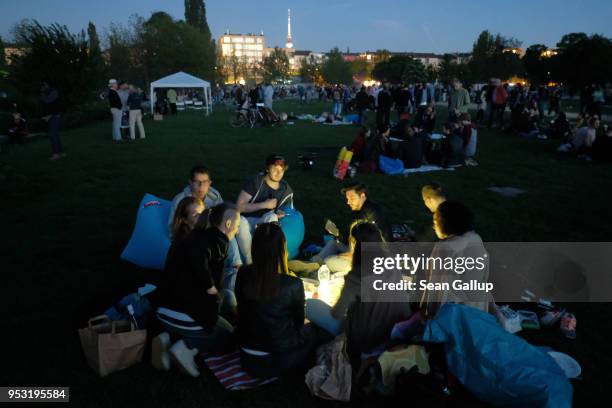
(228, 283)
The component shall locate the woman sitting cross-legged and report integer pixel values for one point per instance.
(367, 322)
(271, 330)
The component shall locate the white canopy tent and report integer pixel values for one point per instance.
(183, 80)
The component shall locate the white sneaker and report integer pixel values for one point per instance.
(160, 359)
(183, 355)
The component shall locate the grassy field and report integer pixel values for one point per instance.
(65, 223)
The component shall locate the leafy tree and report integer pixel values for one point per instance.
(54, 53)
(275, 67)
(98, 66)
(335, 69)
(400, 68)
(361, 68)
(489, 58)
(414, 71)
(121, 43)
(195, 16)
(382, 55)
(2, 56)
(449, 69)
(536, 65)
(583, 60)
(310, 70)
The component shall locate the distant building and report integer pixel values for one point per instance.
(249, 46)
(240, 54)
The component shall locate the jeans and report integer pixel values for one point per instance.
(362, 115)
(319, 313)
(136, 119)
(213, 339)
(55, 121)
(244, 237)
(232, 263)
(337, 108)
(330, 256)
(117, 115)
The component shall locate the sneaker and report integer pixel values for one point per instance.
(183, 355)
(160, 358)
(55, 156)
(568, 325)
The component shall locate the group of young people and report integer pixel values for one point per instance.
(228, 282)
(414, 142)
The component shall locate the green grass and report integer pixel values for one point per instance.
(65, 223)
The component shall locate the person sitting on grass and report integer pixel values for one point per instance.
(560, 128)
(454, 226)
(584, 138)
(336, 253)
(188, 297)
(376, 145)
(432, 195)
(262, 200)
(470, 138)
(17, 129)
(200, 188)
(367, 323)
(186, 218)
(452, 146)
(359, 143)
(411, 149)
(271, 333)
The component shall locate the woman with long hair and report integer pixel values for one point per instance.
(270, 330)
(367, 324)
(186, 217)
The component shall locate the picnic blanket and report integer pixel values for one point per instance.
(229, 372)
(427, 168)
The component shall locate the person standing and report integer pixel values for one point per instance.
(135, 104)
(362, 101)
(383, 110)
(268, 95)
(52, 114)
(337, 97)
(171, 95)
(458, 101)
(115, 108)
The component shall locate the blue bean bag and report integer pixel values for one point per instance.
(390, 166)
(149, 243)
(293, 227)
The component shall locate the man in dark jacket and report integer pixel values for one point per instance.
(51, 113)
(336, 253)
(116, 106)
(384, 104)
(188, 296)
(362, 102)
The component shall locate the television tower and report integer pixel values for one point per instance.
(289, 44)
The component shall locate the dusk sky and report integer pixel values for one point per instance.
(398, 25)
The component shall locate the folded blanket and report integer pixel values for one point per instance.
(229, 372)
